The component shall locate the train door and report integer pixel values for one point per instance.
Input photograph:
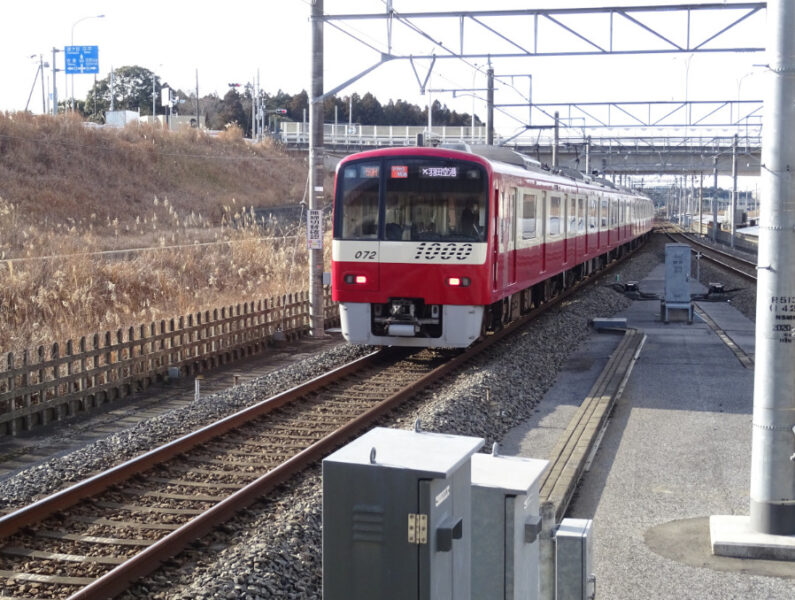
(510, 223)
(564, 226)
(582, 215)
(543, 228)
(495, 241)
(590, 225)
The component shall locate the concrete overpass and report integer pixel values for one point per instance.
(609, 154)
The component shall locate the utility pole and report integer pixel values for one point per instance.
(772, 457)
(316, 312)
(734, 190)
(54, 85)
(198, 111)
(588, 155)
(715, 199)
(701, 204)
(490, 105)
(154, 110)
(556, 141)
(42, 64)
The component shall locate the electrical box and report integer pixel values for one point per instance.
(677, 273)
(677, 280)
(505, 527)
(397, 517)
(574, 579)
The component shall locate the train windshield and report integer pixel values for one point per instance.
(423, 199)
(435, 199)
(357, 211)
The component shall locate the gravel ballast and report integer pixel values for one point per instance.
(273, 549)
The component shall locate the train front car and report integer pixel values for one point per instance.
(410, 247)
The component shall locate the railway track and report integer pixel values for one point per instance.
(94, 538)
(738, 265)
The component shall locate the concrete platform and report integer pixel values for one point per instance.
(677, 450)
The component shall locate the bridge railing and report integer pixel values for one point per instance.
(297, 134)
(357, 135)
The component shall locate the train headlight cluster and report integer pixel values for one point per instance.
(458, 281)
(355, 279)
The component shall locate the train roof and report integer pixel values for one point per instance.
(507, 156)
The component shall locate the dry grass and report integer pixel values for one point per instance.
(68, 193)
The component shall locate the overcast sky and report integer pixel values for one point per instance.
(230, 41)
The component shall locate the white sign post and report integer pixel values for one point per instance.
(314, 229)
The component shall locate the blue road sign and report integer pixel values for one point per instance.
(81, 59)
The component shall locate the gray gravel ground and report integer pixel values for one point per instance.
(273, 550)
(57, 473)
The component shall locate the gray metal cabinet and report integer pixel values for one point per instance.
(505, 527)
(397, 517)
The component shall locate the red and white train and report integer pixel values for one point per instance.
(433, 247)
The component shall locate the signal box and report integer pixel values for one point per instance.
(397, 517)
(505, 527)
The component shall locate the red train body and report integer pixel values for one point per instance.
(434, 246)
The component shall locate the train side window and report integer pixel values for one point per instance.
(603, 214)
(554, 215)
(593, 217)
(529, 216)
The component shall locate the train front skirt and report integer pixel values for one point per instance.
(461, 326)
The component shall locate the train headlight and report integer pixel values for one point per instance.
(355, 279)
(458, 281)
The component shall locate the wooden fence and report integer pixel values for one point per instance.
(43, 386)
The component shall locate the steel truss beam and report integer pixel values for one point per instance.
(650, 114)
(548, 29)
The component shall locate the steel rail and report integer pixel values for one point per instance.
(719, 257)
(143, 563)
(63, 499)
(119, 578)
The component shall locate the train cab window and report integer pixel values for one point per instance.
(554, 216)
(435, 199)
(529, 216)
(356, 214)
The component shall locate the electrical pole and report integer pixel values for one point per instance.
(316, 171)
(772, 456)
(588, 155)
(701, 204)
(715, 200)
(198, 111)
(153, 99)
(490, 106)
(54, 85)
(734, 190)
(556, 141)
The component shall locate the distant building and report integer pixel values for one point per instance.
(176, 122)
(120, 118)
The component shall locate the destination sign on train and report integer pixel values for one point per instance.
(439, 172)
